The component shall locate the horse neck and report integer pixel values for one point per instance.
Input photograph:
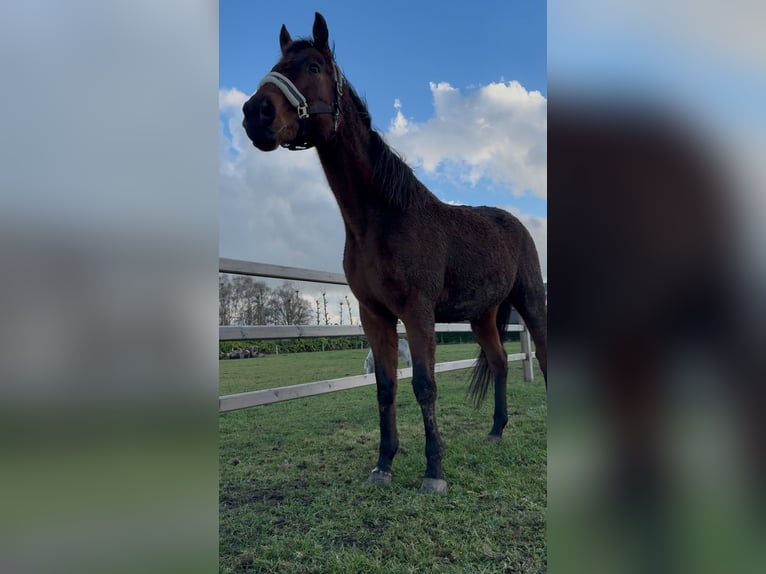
(346, 162)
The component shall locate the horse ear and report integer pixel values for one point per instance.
(321, 35)
(284, 39)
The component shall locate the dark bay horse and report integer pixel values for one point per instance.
(408, 256)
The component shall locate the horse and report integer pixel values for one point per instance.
(404, 355)
(407, 255)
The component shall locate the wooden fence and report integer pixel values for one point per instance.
(268, 396)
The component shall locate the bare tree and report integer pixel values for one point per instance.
(227, 304)
(243, 300)
(350, 316)
(288, 307)
(326, 316)
(253, 299)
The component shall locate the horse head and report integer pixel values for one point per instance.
(297, 104)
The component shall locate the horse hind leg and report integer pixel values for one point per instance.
(381, 333)
(492, 366)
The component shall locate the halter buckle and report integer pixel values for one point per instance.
(303, 111)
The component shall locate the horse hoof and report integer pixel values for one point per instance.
(493, 439)
(379, 477)
(433, 485)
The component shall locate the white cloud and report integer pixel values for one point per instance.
(496, 132)
(231, 99)
(274, 207)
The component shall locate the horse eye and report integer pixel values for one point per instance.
(314, 68)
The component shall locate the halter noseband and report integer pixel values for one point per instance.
(299, 102)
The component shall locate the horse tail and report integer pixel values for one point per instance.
(481, 377)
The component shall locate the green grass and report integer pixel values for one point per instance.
(293, 496)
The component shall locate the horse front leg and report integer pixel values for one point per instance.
(380, 330)
(420, 332)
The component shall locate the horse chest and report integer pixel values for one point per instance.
(369, 282)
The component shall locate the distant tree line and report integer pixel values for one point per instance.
(243, 300)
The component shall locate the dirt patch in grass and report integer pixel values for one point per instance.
(292, 491)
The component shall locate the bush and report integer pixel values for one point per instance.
(303, 345)
(313, 344)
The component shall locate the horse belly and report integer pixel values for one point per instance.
(461, 303)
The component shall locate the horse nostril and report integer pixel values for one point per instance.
(266, 111)
(259, 112)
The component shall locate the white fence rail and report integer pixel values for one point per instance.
(302, 331)
(268, 396)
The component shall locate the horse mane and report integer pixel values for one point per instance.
(395, 181)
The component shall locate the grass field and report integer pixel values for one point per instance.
(293, 496)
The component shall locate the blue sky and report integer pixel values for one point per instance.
(393, 49)
(431, 72)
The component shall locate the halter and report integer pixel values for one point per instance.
(298, 101)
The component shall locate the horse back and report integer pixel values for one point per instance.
(462, 260)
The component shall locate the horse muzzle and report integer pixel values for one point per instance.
(259, 114)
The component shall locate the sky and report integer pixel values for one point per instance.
(460, 94)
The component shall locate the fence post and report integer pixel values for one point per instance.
(526, 348)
